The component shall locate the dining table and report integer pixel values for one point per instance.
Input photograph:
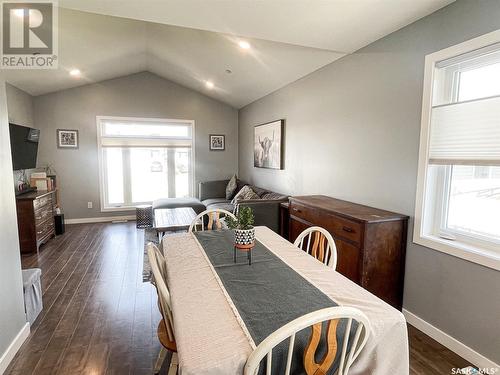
(222, 310)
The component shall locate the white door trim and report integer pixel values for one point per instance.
(14, 346)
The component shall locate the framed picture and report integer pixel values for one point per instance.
(67, 138)
(217, 142)
(268, 145)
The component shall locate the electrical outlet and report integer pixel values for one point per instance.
(89, 204)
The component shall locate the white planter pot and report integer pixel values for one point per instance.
(244, 236)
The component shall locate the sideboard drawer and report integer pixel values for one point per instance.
(303, 212)
(336, 225)
(343, 228)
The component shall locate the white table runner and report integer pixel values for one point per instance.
(211, 341)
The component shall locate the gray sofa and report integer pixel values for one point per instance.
(266, 209)
(212, 194)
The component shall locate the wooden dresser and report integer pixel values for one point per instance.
(35, 219)
(371, 243)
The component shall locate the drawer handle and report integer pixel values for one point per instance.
(347, 229)
(296, 209)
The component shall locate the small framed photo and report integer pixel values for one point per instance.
(67, 138)
(217, 142)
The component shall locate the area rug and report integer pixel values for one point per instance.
(150, 235)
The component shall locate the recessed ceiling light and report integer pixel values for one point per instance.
(209, 84)
(244, 44)
(75, 72)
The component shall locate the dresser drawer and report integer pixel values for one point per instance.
(44, 229)
(42, 201)
(43, 214)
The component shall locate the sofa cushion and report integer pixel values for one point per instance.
(194, 203)
(231, 187)
(208, 202)
(245, 194)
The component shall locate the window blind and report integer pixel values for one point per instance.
(466, 133)
(136, 133)
(144, 142)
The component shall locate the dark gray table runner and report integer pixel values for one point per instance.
(268, 294)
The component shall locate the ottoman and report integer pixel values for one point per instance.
(32, 288)
(194, 203)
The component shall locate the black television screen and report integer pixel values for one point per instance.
(23, 146)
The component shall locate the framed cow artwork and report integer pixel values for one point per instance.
(268, 145)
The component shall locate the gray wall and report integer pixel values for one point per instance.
(20, 106)
(12, 317)
(138, 95)
(352, 132)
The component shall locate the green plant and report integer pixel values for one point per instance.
(244, 219)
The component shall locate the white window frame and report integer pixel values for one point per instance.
(469, 247)
(102, 188)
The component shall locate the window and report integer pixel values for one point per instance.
(141, 160)
(458, 191)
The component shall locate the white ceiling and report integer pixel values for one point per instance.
(289, 39)
(336, 25)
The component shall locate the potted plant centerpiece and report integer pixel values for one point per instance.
(244, 232)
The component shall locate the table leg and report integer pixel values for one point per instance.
(160, 236)
(250, 257)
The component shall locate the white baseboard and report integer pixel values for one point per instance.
(103, 219)
(14, 346)
(451, 343)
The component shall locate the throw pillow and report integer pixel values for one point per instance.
(231, 187)
(273, 196)
(245, 194)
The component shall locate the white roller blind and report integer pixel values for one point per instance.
(466, 133)
(144, 142)
(123, 132)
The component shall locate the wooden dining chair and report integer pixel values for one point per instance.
(209, 220)
(319, 243)
(166, 325)
(314, 320)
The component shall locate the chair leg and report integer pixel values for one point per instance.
(174, 364)
(160, 360)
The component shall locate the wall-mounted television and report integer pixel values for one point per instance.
(23, 146)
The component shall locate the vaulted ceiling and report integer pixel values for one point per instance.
(191, 42)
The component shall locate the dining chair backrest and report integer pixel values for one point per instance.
(319, 243)
(160, 260)
(209, 220)
(332, 315)
(158, 267)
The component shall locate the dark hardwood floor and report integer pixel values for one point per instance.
(100, 318)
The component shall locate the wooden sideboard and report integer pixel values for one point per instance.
(371, 243)
(35, 219)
